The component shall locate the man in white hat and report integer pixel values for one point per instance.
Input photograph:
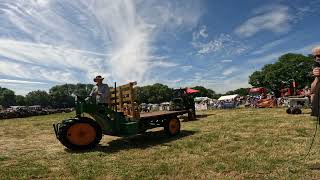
(100, 91)
(315, 86)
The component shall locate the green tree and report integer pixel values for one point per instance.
(240, 91)
(20, 100)
(7, 97)
(61, 95)
(156, 93)
(289, 67)
(204, 92)
(38, 97)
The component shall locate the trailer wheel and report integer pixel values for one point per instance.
(79, 134)
(289, 111)
(296, 111)
(172, 126)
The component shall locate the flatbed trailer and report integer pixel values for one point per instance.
(121, 119)
(160, 114)
(160, 119)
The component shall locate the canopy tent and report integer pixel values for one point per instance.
(228, 97)
(200, 99)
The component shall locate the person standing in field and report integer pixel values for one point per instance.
(101, 92)
(315, 86)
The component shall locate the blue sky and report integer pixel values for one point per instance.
(216, 44)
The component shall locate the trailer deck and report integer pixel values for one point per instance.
(161, 114)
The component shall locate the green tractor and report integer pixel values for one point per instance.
(184, 101)
(83, 132)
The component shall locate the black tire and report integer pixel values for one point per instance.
(296, 111)
(289, 111)
(67, 124)
(191, 115)
(172, 126)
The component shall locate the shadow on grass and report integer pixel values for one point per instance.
(198, 117)
(143, 141)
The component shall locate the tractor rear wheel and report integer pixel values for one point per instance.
(289, 111)
(172, 127)
(79, 134)
(296, 111)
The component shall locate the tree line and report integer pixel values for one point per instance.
(276, 76)
(60, 96)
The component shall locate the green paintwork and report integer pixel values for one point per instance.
(111, 122)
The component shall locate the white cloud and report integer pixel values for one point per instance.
(226, 60)
(17, 70)
(235, 82)
(224, 44)
(13, 81)
(270, 58)
(202, 33)
(163, 64)
(229, 71)
(58, 64)
(76, 40)
(269, 46)
(186, 68)
(272, 18)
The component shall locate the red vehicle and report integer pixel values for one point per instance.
(263, 102)
(257, 91)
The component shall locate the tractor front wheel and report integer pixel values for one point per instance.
(172, 126)
(79, 134)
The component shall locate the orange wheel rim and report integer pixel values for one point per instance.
(81, 134)
(174, 126)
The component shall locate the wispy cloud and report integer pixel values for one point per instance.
(271, 18)
(269, 46)
(186, 68)
(11, 81)
(224, 44)
(76, 40)
(226, 60)
(229, 71)
(202, 33)
(270, 58)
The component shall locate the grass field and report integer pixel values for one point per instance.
(221, 144)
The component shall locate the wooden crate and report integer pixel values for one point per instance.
(123, 100)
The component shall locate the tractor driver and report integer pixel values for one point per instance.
(315, 86)
(100, 91)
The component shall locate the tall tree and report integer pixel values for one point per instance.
(20, 100)
(289, 67)
(204, 92)
(156, 93)
(240, 91)
(38, 97)
(7, 97)
(62, 94)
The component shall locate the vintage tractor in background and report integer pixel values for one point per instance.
(295, 104)
(122, 118)
(183, 100)
(296, 99)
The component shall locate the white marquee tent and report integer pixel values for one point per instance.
(228, 97)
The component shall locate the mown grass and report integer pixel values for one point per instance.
(221, 144)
